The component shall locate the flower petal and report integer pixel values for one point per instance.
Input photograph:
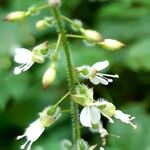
(96, 80)
(126, 118)
(100, 65)
(85, 117)
(95, 115)
(22, 55)
(34, 131)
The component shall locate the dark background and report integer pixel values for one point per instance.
(22, 96)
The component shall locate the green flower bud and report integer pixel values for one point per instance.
(77, 25)
(15, 16)
(82, 145)
(83, 95)
(42, 25)
(66, 145)
(49, 115)
(92, 36)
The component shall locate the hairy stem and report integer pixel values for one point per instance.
(74, 107)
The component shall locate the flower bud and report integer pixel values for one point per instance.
(83, 95)
(111, 44)
(42, 25)
(93, 36)
(48, 119)
(82, 145)
(49, 76)
(66, 145)
(77, 25)
(41, 49)
(54, 3)
(15, 16)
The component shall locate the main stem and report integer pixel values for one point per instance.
(74, 107)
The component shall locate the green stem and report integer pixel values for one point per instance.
(64, 97)
(73, 23)
(74, 107)
(42, 7)
(76, 36)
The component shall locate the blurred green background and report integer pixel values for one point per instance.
(22, 96)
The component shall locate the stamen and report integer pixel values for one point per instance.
(20, 137)
(24, 145)
(29, 146)
(108, 75)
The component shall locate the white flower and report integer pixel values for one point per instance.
(126, 118)
(24, 58)
(91, 72)
(89, 115)
(32, 133)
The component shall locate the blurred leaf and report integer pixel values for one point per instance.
(138, 56)
(131, 139)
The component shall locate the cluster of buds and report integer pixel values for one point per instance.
(36, 128)
(95, 37)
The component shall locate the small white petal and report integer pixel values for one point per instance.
(85, 117)
(17, 70)
(22, 55)
(34, 131)
(100, 65)
(95, 115)
(96, 80)
(126, 118)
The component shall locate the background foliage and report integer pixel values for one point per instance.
(21, 97)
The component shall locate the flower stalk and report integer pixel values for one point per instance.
(74, 107)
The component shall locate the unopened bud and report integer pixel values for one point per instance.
(47, 119)
(93, 36)
(15, 16)
(111, 44)
(66, 145)
(49, 76)
(54, 3)
(42, 25)
(77, 25)
(82, 145)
